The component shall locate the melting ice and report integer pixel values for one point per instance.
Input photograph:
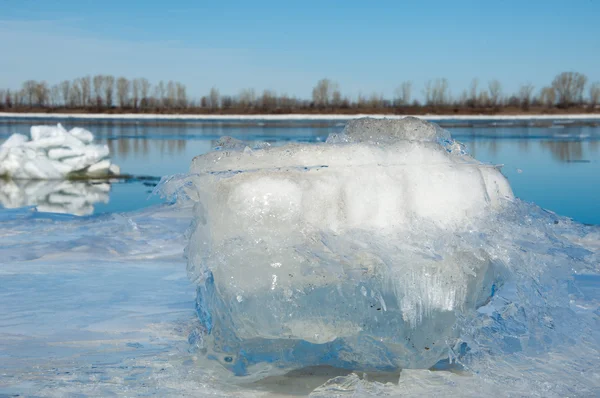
(388, 247)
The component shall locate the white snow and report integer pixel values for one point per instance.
(54, 153)
(590, 116)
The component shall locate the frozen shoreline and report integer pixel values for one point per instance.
(284, 117)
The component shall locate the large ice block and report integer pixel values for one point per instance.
(346, 253)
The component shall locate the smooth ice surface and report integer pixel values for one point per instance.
(54, 153)
(343, 253)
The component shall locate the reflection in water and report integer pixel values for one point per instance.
(565, 151)
(562, 150)
(54, 196)
(566, 143)
(123, 147)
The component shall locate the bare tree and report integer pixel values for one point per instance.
(375, 101)
(495, 89)
(170, 95)
(594, 94)
(569, 88)
(336, 98)
(181, 95)
(362, 101)
(42, 93)
(436, 92)
(322, 92)
(227, 102)
(28, 89)
(145, 92)
(473, 93)
(525, 93)
(109, 88)
(75, 95)
(86, 90)
(123, 88)
(55, 95)
(18, 98)
(548, 96)
(483, 99)
(159, 93)
(247, 98)
(402, 93)
(65, 91)
(98, 82)
(269, 100)
(214, 98)
(135, 92)
(8, 102)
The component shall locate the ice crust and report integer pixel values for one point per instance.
(355, 253)
(54, 153)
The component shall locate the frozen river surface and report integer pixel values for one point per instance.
(102, 305)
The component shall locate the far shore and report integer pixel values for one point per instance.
(295, 116)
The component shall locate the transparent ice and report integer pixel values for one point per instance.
(386, 248)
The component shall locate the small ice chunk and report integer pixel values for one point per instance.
(114, 170)
(15, 140)
(53, 153)
(62, 153)
(229, 143)
(100, 168)
(83, 135)
(386, 131)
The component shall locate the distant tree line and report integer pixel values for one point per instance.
(106, 93)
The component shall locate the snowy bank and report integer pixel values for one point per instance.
(54, 153)
(288, 117)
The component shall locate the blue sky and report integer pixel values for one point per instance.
(287, 46)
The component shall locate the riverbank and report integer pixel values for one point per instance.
(292, 116)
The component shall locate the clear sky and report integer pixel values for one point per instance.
(287, 46)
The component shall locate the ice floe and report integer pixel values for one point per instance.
(53, 153)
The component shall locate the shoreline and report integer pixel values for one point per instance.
(292, 117)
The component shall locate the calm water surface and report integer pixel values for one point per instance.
(555, 166)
